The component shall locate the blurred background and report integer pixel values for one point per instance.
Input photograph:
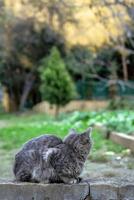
(68, 64)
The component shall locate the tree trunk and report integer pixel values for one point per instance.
(113, 91)
(6, 100)
(9, 101)
(125, 70)
(26, 90)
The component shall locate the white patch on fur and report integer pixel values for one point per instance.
(36, 173)
(48, 153)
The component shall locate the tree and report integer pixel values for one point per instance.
(21, 49)
(122, 14)
(56, 84)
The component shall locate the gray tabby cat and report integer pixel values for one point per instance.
(48, 159)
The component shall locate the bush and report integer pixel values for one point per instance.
(56, 84)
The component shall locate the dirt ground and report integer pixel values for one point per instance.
(118, 170)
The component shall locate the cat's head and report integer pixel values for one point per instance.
(81, 142)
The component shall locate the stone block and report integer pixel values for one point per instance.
(99, 190)
(103, 191)
(126, 192)
(27, 191)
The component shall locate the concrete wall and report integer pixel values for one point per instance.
(99, 190)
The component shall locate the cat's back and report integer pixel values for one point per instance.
(42, 141)
(65, 154)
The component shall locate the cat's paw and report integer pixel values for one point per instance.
(73, 181)
(77, 180)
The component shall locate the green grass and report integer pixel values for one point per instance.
(120, 120)
(21, 128)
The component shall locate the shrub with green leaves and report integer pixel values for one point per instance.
(57, 86)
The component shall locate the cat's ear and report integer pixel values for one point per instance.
(88, 131)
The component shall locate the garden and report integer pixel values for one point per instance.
(109, 158)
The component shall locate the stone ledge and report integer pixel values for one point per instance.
(117, 137)
(99, 190)
(123, 139)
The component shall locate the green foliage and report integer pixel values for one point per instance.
(119, 120)
(79, 61)
(29, 126)
(56, 84)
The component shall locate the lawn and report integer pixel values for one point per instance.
(21, 128)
